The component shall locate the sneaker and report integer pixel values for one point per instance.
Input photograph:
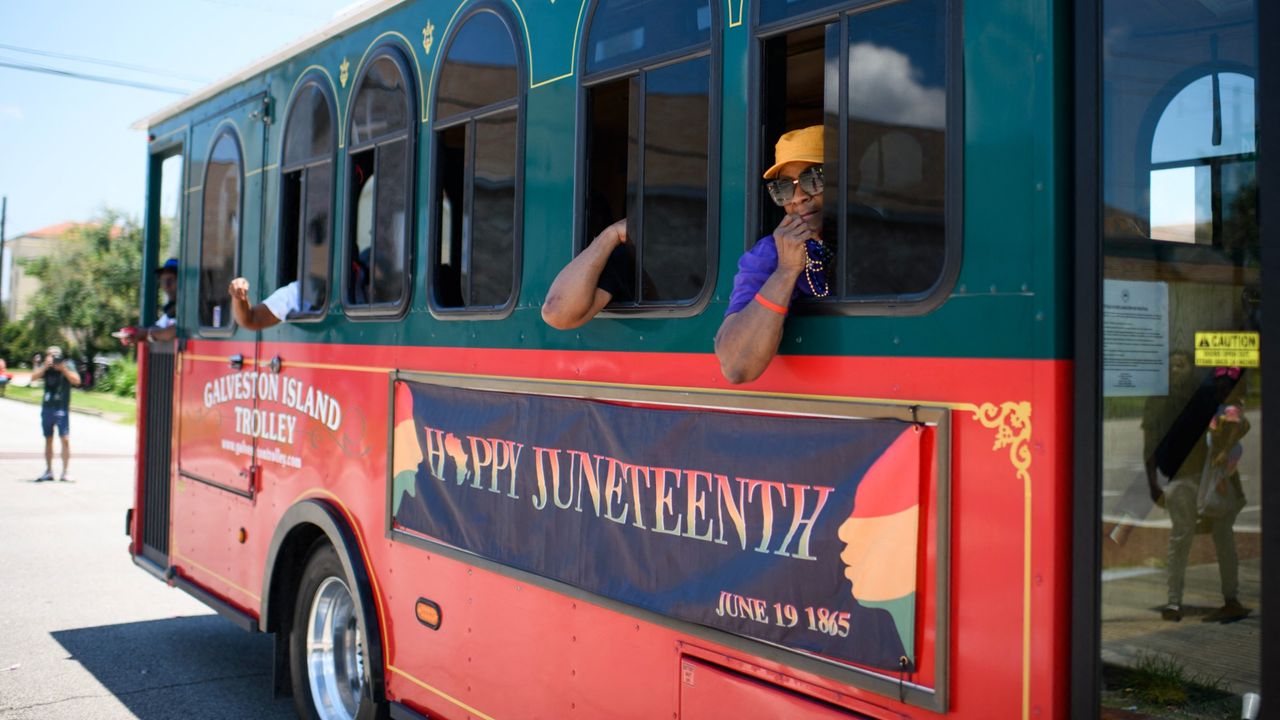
(65, 478)
(1171, 612)
(1230, 612)
(46, 476)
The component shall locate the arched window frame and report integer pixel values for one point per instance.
(1150, 122)
(381, 311)
(469, 118)
(712, 49)
(311, 80)
(226, 129)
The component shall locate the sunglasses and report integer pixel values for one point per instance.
(782, 189)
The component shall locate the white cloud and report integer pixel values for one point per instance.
(887, 88)
(11, 112)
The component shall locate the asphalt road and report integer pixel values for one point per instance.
(83, 632)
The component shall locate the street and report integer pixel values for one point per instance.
(83, 632)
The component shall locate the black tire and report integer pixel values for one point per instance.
(333, 692)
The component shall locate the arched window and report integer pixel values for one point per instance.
(220, 228)
(650, 147)
(306, 198)
(379, 186)
(478, 129)
(1203, 155)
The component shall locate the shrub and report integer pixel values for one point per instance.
(121, 378)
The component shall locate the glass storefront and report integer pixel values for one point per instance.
(1181, 382)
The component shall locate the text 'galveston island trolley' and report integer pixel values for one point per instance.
(1045, 306)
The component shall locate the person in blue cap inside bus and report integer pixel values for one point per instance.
(166, 326)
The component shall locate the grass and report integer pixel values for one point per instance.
(1158, 685)
(111, 407)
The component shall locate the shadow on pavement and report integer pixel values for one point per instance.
(196, 668)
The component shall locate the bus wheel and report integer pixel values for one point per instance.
(328, 660)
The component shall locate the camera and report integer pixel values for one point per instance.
(57, 360)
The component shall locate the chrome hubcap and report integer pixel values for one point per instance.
(335, 662)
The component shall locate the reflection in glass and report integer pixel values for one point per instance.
(491, 270)
(1209, 117)
(1181, 565)
(381, 103)
(171, 192)
(314, 239)
(309, 134)
(629, 31)
(480, 68)
(220, 237)
(774, 10)
(896, 191)
(390, 235)
(674, 248)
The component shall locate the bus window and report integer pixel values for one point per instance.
(477, 132)
(380, 144)
(306, 198)
(885, 198)
(649, 147)
(220, 236)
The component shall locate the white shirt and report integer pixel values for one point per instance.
(164, 322)
(284, 300)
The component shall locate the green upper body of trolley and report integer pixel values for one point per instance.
(1009, 300)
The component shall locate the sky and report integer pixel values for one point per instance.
(66, 150)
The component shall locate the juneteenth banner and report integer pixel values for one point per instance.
(798, 531)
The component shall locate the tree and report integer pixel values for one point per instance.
(17, 345)
(89, 286)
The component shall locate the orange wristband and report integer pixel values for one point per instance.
(770, 305)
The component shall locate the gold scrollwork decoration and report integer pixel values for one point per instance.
(1012, 423)
(428, 37)
(343, 71)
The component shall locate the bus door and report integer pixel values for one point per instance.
(164, 230)
(1181, 397)
(218, 375)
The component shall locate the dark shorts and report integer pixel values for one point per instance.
(50, 418)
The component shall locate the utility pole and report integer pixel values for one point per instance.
(4, 213)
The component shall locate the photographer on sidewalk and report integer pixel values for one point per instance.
(59, 375)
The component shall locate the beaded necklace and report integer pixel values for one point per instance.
(812, 266)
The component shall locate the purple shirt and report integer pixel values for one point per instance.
(757, 264)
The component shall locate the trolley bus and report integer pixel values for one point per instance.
(978, 480)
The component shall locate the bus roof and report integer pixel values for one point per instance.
(354, 15)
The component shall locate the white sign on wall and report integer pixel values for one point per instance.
(1135, 338)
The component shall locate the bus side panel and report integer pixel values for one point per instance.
(508, 648)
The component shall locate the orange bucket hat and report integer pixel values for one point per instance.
(803, 145)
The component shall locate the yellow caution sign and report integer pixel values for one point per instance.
(1228, 349)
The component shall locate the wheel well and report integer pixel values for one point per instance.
(286, 572)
